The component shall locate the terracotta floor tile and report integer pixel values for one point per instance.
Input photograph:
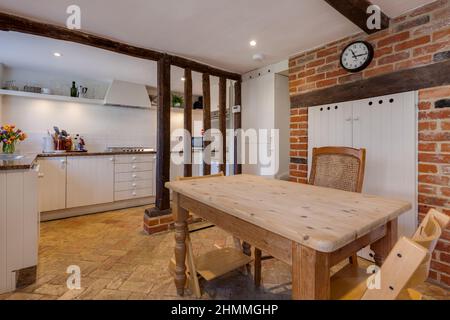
(119, 261)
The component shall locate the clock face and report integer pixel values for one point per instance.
(357, 56)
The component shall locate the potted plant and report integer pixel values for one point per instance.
(9, 136)
(177, 101)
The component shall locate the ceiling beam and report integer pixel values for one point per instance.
(9, 22)
(356, 12)
(433, 75)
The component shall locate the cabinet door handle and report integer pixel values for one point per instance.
(134, 193)
(134, 184)
(134, 158)
(134, 176)
(356, 119)
(134, 167)
(63, 161)
(40, 175)
(111, 159)
(348, 119)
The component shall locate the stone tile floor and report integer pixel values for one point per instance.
(118, 261)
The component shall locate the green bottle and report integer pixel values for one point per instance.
(74, 90)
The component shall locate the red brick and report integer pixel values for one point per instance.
(438, 35)
(424, 105)
(445, 279)
(428, 8)
(299, 118)
(435, 93)
(299, 174)
(306, 73)
(432, 201)
(299, 146)
(296, 69)
(393, 39)
(412, 43)
(168, 219)
(315, 78)
(333, 58)
(427, 189)
(413, 62)
(427, 146)
(350, 78)
(432, 48)
(157, 229)
(438, 180)
(394, 58)
(427, 168)
(428, 125)
(445, 257)
(434, 158)
(445, 147)
(445, 191)
(378, 71)
(445, 125)
(435, 115)
(315, 63)
(326, 52)
(437, 266)
(326, 83)
(337, 73)
(383, 51)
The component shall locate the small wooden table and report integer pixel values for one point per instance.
(310, 228)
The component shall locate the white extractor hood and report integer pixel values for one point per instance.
(127, 94)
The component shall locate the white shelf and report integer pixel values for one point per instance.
(50, 97)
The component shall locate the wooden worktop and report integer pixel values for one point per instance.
(320, 218)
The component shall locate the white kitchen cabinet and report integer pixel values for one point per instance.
(386, 128)
(52, 184)
(134, 177)
(90, 180)
(19, 224)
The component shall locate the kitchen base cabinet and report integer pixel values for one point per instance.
(90, 180)
(52, 184)
(19, 225)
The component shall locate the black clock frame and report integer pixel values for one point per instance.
(369, 59)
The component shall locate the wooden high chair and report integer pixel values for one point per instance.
(214, 263)
(407, 266)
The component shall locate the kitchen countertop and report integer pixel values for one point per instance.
(28, 160)
(21, 164)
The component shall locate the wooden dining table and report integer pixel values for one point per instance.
(310, 228)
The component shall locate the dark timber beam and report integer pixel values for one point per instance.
(223, 121)
(9, 22)
(163, 144)
(434, 75)
(237, 126)
(188, 122)
(206, 122)
(356, 12)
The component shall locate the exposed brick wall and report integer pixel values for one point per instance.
(417, 38)
(434, 169)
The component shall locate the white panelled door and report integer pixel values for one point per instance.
(387, 128)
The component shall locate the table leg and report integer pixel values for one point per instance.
(310, 274)
(180, 216)
(383, 247)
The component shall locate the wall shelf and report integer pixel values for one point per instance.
(50, 97)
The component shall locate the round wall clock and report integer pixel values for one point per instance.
(357, 56)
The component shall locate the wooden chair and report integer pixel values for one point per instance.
(407, 266)
(332, 167)
(213, 264)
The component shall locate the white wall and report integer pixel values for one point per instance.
(101, 126)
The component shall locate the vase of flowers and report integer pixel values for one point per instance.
(9, 136)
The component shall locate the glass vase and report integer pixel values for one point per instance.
(9, 148)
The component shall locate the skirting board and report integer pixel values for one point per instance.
(74, 212)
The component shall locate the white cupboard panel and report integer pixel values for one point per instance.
(136, 158)
(14, 220)
(52, 184)
(134, 176)
(133, 194)
(90, 181)
(31, 217)
(131, 185)
(134, 167)
(4, 276)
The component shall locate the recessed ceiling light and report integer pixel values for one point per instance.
(57, 54)
(253, 43)
(183, 79)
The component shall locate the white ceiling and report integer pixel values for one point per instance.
(212, 31)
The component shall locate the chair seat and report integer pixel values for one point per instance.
(350, 283)
(218, 262)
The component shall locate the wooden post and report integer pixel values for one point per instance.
(163, 135)
(223, 121)
(237, 126)
(188, 122)
(383, 247)
(206, 122)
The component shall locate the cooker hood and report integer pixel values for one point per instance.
(127, 94)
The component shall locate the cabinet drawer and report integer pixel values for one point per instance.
(134, 167)
(133, 185)
(135, 158)
(132, 194)
(134, 176)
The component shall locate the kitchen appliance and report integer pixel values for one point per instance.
(129, 149)
(127, 94)
(48, 144)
